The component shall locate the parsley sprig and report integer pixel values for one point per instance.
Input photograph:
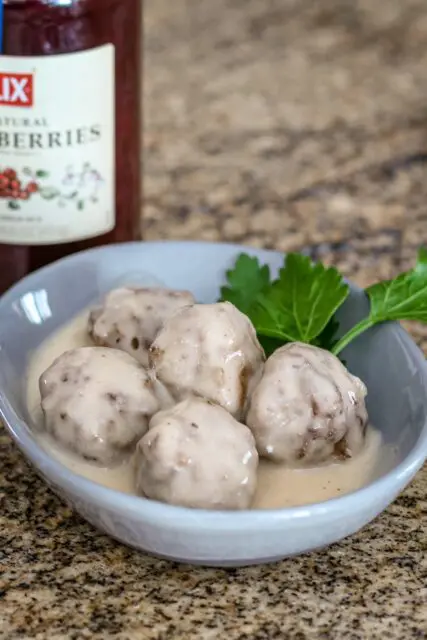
(300, 305)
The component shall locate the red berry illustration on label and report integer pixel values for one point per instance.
(13, 188)
(78, 186)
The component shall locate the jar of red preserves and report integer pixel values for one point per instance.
(70, 135)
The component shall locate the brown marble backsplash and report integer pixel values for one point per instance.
(289, 124)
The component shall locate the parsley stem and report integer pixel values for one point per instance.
(354, 332)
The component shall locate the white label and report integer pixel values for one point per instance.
(57, 151)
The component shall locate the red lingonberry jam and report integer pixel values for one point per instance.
(70, 134)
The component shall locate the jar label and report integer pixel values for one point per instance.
(57, 147)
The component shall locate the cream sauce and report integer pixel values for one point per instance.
(278, 485)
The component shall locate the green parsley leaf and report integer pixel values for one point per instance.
(300, 304)
(247, 280)
(269, 344)
(404, 298)
(327, 339)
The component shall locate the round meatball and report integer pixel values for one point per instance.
(130, 318)
(307, 407)
(197, 455)
(97, 402)
(209, 350)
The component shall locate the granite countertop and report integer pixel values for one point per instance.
(292, 124)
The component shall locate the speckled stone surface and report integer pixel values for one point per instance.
(294, 124)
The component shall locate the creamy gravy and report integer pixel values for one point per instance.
(278, 486)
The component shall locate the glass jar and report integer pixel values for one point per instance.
(70, 134)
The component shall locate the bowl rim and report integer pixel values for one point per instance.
(146, 510)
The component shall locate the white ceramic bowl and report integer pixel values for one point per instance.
(385, 358)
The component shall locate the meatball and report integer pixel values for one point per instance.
(130, 318)
(97, 402)
(197, 455)
(307, 407)
(209, 350)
